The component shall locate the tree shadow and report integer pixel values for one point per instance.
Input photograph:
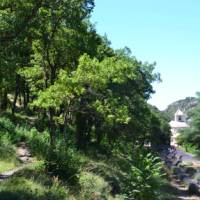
(18, 195)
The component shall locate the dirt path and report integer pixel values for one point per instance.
(23, 153)
(180, 191)
(182, 170)
(25, 158)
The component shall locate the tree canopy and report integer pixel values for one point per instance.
(56, 66)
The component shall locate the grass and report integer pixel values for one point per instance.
(190, 149)
(32, 183)
(101, 177)
(6, 165)
(8, 159)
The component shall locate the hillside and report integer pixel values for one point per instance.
(74, 119)
(185, 105)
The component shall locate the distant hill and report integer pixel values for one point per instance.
(186, 105)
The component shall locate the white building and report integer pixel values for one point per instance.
(179, 122)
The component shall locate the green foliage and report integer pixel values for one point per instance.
(192, 135)
(118, 175)
(93, 187)
(11, 134)
(8, 164)
(144, 177)
(187, 104)
(79, 93)
(8, 159)
(64, 164)
(7, 149)
(70, 73)
(138, 176)
(33, 187)
(160, 132)
(36, 141)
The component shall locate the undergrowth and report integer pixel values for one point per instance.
(75, 175)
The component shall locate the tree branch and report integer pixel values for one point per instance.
(7, 36)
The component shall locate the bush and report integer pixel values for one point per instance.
(93, 187)
(7, 150)
(64, 164)
(6, 125)
(56, 191)
(20, 188)
(144, 177)
(38, 143)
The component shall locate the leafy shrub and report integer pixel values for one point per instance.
(6, 125)
(20, 188)
(93, 187)
(144, 177)
(64, 164)
(56, 191)
(38, 143)
(7, 150)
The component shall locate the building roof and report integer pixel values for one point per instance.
(176, 124)
(179, 112)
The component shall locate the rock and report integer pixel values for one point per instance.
(176, 170)
(191, 171)
(184, 177)
(175, 176)
(193, 188)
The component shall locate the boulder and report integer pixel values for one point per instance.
(184, 177)
(193, 188)
(191, 171)
(177, 170)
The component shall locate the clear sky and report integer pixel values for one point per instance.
(165, 31)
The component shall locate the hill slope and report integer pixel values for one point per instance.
(185, 105)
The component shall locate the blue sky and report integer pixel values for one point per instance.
(165, 31)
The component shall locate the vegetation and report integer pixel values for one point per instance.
(8, 159)
(187, 105)
(190, 136)
(80, 106)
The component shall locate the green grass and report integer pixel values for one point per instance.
(8, 159)
(99, 176)
(6, 165)
(190, 149)
(32, 183)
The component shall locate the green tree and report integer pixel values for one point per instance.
(191, 135)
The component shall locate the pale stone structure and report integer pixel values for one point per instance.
(179, 122)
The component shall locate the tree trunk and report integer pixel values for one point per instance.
(65, 129)
(20, 99)
(17, 89)
(98, 133)
(80, 128)
(51, 157)
(27, 95)
(4, 100)
(52, 129)
(24, 90)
